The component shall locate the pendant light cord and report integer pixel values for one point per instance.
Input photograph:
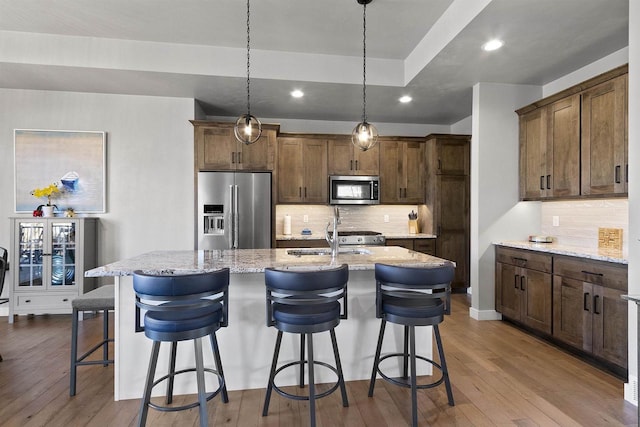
(248, 58)
(364, 64)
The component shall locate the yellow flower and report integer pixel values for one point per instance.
(46, 192)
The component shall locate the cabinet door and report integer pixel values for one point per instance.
(563, 145)
(537, 294)
(30, 239)
(405, 243)
(256, 156)
(610, 325)
(533, 154)
(604, 138)
(413, 173)
(366, 162)
(508, 301)
(340, 158)
(290, 171)
(452, 228)
(63, 253)
(572, 312)
(390, 171)
(314, 156)
(453, 158)
(217, 148)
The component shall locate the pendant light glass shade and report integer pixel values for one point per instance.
(364, 135)
(248, 128)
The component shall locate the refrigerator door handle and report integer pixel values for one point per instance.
(236, 226)
(231, 217)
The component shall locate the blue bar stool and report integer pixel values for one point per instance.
(305, 303)
(412, 297)
(182, 307)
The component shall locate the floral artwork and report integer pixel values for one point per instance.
(68, 166)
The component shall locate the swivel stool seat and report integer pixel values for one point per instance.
(179, 308)
(412, 297)
(305, 303)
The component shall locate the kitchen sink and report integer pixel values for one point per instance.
(327, 251)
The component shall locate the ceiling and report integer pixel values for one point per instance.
(428, 49)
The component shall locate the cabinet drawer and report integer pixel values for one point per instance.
(405, 243)
(523, 258)
(598, 272)
(39, 301)
(427, 246)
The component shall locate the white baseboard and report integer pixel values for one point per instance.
(631, 390)
(484, 314)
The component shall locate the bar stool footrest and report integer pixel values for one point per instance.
(190, 405)
(305, 397)
(405, 384)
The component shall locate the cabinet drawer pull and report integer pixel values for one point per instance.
(351, 165)
(439, 164)
(516, 259)
(542, 182)
(233, 157)
(305, 192)
(593, 274)
(548, 182)
(515, 281)
(300, 192)
(585, 300)
(356, 165)
(239, 157)
(626, 173)
(400, 193)
(595, 304)
(522, 281)
(617, 174)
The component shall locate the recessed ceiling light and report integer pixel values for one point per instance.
(405, 99)
(492, 45)
(297, 93)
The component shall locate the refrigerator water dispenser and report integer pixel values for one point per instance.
(213, 219)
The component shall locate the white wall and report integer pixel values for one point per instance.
(495, 212)
(463, 127)
(150, 197)
(634, 189)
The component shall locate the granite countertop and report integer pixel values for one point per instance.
(256, 260)
(298, 236)
(608, 255)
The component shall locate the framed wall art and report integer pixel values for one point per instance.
(73, 161)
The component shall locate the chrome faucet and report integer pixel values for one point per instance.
(333, 241)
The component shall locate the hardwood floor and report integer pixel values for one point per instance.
(500, 376)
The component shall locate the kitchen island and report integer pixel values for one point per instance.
(246, 345)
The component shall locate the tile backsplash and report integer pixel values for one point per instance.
(578, 220)
(353, 218)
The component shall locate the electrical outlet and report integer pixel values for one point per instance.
(386, 218)
(556, 221)
(305, 218)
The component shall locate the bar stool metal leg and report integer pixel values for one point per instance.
(414, 383)
(74, 352)
(148, 385)
(218, 360)
(376, 359)
(272, 374)
(443, 363)
(343, 388)
(202, 396)
(172, 369)
(312, 384)
(105, 335)
(302, 359)
(406, 353)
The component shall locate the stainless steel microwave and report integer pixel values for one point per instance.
(354, 190)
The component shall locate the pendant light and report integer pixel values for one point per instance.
(364, 135)
(248, 128)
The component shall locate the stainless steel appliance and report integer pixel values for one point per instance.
(372, 238)
(234, 210)
(354, 190)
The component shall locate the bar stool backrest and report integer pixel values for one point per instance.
(182, 291)
(301, 287)
(417, 286)
(3, 269)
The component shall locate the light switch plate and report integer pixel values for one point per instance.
(305, 218)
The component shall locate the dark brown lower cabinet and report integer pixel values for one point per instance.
(588, 312)
(427, 246)
(524, 288)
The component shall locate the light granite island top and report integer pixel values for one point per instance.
(256, 260)
(247, 343)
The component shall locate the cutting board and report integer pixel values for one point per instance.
(610, 238)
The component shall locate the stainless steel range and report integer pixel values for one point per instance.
(373, 238)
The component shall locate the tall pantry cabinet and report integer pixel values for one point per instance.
(448, 197)
(48, 258)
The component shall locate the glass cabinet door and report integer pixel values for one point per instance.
(63, 254)
(31, 241)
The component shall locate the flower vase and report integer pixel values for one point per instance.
(47, 211)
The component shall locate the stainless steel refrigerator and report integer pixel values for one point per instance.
(234, 210)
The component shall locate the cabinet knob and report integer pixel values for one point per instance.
(27, 300)
(65, 299)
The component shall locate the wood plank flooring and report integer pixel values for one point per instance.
(500, 375)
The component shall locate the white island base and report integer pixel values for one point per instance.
(247, 344)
